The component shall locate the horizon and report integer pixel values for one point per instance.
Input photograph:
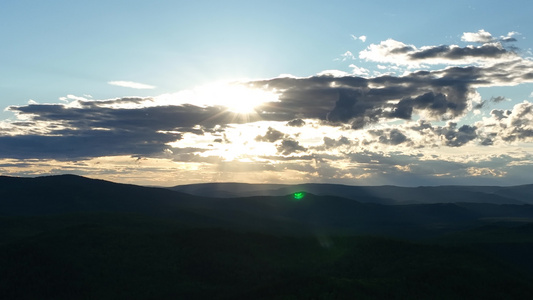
(360, 94)
(280, 184)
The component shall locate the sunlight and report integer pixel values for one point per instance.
(239, 98)
(235, 97)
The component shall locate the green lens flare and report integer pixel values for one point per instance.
(298, 195)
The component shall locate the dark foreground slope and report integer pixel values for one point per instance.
(69, 237)
(117, 256)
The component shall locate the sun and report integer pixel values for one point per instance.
(236, 97)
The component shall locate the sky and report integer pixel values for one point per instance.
(165, 93)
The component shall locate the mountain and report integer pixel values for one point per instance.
(374, 194)
(70, 237)
(274, 214)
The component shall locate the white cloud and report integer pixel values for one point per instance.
(361, 38)
(131, 84)
(347, 55)
(481, 36)
(73, 97)
(389, 51)
(334, 73)
(359, 71)
(509, 125)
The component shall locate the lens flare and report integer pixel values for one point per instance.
(298, 195)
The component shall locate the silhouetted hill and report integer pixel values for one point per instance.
(373, 194)
(69, 237)
(70, 193)
(280, 214)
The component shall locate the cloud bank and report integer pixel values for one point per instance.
(328, 127)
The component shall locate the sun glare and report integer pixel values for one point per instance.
(236, 98)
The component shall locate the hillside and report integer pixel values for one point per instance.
(69, 237)
(271, 214)
(373, 194)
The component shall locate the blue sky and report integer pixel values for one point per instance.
(60, 52)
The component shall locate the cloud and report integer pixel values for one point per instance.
(459, 137)
(131, 84)
(497, 99)
(95, 128)
(441, 95)
(289, 146)
(332, 143)
(362, 38)
(359, 71)
(142, 126)
(386, 111)
(334, 73)
(481, 36)
(81, 145)
(271, 136)
(390, 137)
(73, 97)
(296, 123)
(347, 56)
(509, 125)
(398, 53)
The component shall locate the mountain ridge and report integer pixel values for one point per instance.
(367, 214)
(387, 194)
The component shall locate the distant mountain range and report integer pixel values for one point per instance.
(324, 208)
(522, 194)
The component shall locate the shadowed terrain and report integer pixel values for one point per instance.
(375, 194)
(69, 237)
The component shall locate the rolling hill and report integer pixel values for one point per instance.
(70, 237)
(374, 194)
(361, 213)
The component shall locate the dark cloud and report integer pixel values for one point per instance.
(458, 53)
(437, 104)
(394, 137)
(508, 39)
(497, 99)
(332, 143)
(92, 115)
(500, 114)
(289, 146)
(271, 136)
(353, 100)
(296, 123)
(79, 145)
(458, 137)
(480, 105)
(487, 142)
(91, 131)
(450, 135)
